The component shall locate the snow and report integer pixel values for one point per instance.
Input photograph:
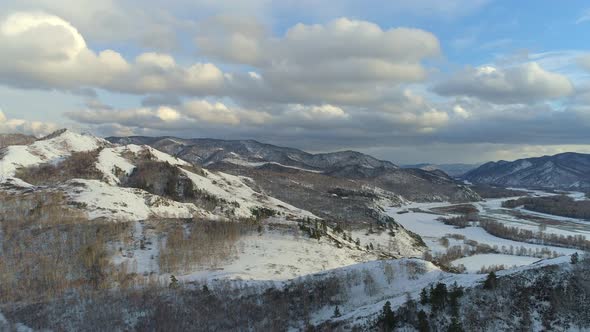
(158, 155)
(361, 307)
(401, 244)
(431, 230)
(476, 262)
(109, 160)
(233, 189)
(140, 260)
(280, 256)
(45, 151)
(241, 162)
(104, 201)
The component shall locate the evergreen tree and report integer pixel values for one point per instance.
(455, 325)
(423, 325)
(454, 295)
(387, 318)
(491, 281)
(424, 297)
(438, 296)
(574, 258)
(336, 312)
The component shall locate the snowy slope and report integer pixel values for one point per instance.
(101, 200)
(107, 199)
(408, 278)
(47, 150)
(234, 189)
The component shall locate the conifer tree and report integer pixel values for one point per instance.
(423, 325)
(424, 297)
(491, 281)
(387, 317)
(336, 312)
(455, 325)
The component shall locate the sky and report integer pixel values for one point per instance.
(455, 81)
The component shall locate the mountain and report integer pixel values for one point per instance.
(131, 237)
(205, 152)
(561, 171)
(251, 156)
(454, 170)
(129, 182)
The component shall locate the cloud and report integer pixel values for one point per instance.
(585, 17)
(584, 61)
(36, 128)
(190, 115)
(44, 51)
(459, 111)
(526, 83)
(232, 39)
(343, 61)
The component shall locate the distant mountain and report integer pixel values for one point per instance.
(562, 171)
(454, 170)
(238, 155)
(204, 151)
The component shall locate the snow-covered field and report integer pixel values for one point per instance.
(432, 230)
(476, 262)
(418, 218)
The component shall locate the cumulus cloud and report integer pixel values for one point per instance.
(190, 115)
(36, 128)
(45, 51)
(524, 83)
(343, 61)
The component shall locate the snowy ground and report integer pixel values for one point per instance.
(474, 263)
(280, 252)
(432, 230)
(418, 218)
(361, 306)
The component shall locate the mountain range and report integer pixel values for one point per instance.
(264, 161)
(561, 171)
(455, 170)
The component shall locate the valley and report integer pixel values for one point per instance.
(133, 218)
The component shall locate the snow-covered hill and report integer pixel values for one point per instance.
(561, 171)
(413, 184)
(107, 197)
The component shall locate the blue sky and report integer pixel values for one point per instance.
(408, 81)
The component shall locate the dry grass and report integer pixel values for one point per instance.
(79, 165)
(200, 244)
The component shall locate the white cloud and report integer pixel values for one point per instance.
(316, 113)
(459, 111)
(36, 128)
(342, 61)
(584, 61)
(192, 114)
(44, 51)
(168, 114)
(524, 83)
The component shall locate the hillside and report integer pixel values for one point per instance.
(561, 171)
(454, 170)
(235, 156)
(252, 234)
